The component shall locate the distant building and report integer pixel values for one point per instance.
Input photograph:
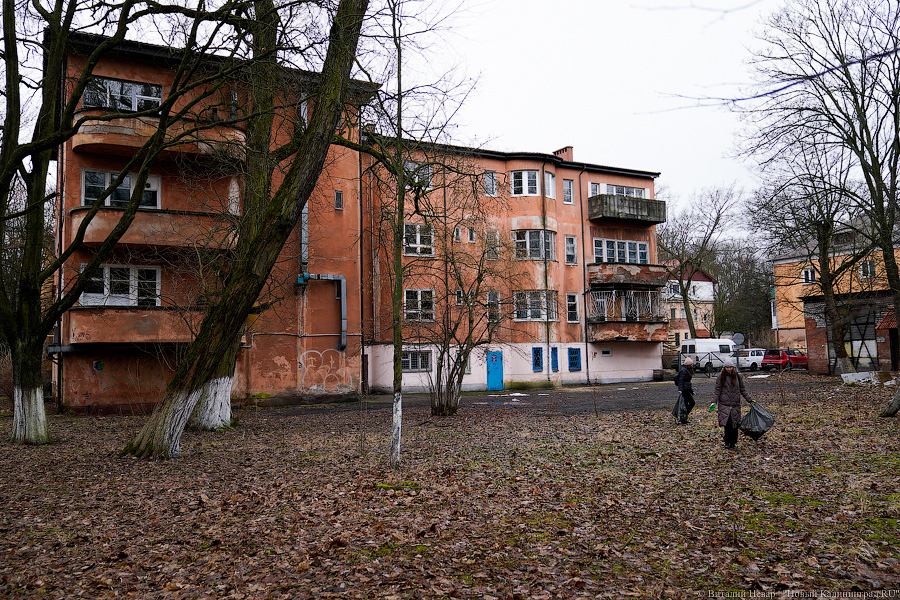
(701, 296)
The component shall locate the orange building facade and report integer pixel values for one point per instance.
(587, 305)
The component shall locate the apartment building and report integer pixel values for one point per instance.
(864, 308)
(583, 306)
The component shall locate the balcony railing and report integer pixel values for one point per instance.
(131, 324)
(159, 228)
(626, 305)
(627, 209)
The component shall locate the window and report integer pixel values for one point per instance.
(574, 359)
(417, 175)
(419, 305)
(492, 244)
(338, 200)
(809, 275)
(623, 190)
(490, 183)
(535, 244)
(595, 189)
(622, 251)
(417, 240)
(550, 184)
(537, 359)
(493, 306)
(572, 308)
(461, 297)
(568, 191)
(415, 361)
(571, 250)
(122, 285)
(471, 235)
(535, 305)
(123, 96)
(94, 183)
(554, 358)
(525, 183)
(673, 313)
(867, 269)
(457, 234)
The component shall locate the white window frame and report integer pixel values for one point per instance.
(493, 304)
(571, 243)
(568, 191)
(490, 183)
(418, 305)
(121, 196)
(417, 174)
(492, 244)
(535, 305)
(461, 296)
(808, 275)
(129, 298)
(415, 361)
(418, 240)
(100, 92)
(525, 183)
(457, 234)
(867, 269)
(572, 308)
(624, 190)
(471, 235)
(594, 189)
(535, 244)
(338, 200)
(621, 251)
(550, 184)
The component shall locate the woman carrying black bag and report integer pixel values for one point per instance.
(686, 388)
(729, 389)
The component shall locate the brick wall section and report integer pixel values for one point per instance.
(883, 343)
(817, 347)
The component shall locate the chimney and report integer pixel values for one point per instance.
(565, 153)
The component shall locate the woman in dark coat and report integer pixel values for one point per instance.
(686, 387)
(729, 389)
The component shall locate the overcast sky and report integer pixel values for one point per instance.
(602, 76)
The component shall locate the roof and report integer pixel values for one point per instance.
(888, 321)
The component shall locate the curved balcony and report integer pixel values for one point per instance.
(626, 316)
(131, 325)
(125, 135)
(157, 228)
(626, 275)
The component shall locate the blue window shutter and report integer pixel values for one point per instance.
(537, 359)
(574, 359)
(554, 358)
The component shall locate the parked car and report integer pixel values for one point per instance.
(749, 358)
(784, 358)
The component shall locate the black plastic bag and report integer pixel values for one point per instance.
(679, 411)
(758, 421)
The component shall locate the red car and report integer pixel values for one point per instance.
(781, 358)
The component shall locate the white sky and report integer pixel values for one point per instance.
(600, 75)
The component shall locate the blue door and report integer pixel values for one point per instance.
(494, 370)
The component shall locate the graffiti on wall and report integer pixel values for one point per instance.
(328, 372)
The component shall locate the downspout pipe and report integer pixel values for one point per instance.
(340, 281)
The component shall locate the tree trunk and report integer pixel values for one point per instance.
(836, 328)
(29, 418)
(213, 411)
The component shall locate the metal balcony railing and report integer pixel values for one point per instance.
(626, 208)
(626, 305)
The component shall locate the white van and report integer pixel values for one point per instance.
(708, 354)
(749, 358)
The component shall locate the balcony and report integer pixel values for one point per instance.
(626, 274)
(125, 135)
(636, 211)
(626, 316)
(130, 325)
(173, 229)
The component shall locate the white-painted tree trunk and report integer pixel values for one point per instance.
(396, 426)
(29, 417)
(214, 408)
(161, 435)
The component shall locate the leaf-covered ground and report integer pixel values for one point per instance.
(496, 503)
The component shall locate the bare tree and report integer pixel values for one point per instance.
(40, 101)
(688, 241)
(831, 68)
(273, 206)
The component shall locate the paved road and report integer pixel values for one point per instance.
(657, 395)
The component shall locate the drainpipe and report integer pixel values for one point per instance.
(546, 261)
(585, 295)
(341, 282)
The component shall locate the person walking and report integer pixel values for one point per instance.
(727, 395)
(685, 374)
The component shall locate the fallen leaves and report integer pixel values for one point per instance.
(491, 504)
